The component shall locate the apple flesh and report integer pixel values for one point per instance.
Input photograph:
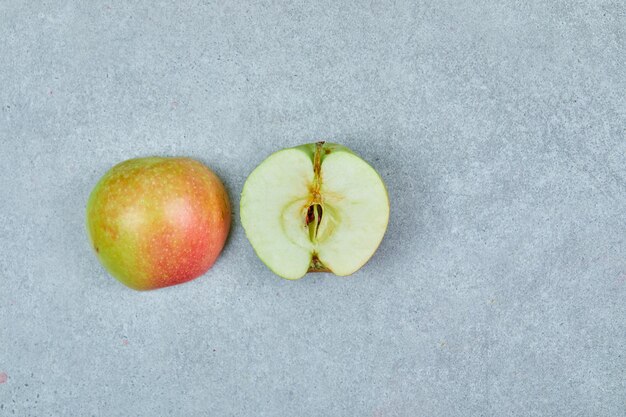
(155, 222)
(314, 208)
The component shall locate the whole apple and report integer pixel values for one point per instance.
(156, 222)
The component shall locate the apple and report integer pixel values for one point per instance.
(314, 208)
(155, 222)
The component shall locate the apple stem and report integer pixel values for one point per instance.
(314, 213)
(317, 168)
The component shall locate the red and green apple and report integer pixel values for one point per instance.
(155, 222)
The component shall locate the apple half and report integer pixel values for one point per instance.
(314, 208)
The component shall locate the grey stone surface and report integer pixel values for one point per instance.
(500, 130)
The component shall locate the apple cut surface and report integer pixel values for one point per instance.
(270, 202)
(356, 202)
(314, 208)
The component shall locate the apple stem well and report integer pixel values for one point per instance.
(317, 265)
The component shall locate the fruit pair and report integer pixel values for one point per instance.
(156, 222)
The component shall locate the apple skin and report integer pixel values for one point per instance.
(156, 222)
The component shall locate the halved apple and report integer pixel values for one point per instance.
(314, 208)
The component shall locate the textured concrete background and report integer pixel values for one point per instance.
(500, 130)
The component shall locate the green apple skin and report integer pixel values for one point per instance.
(155, 222)
(314, 208)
